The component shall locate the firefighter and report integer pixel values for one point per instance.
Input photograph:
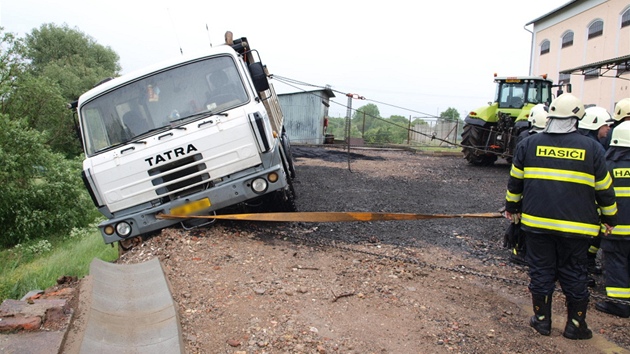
(513, 235)
(616, 245)
(555, 177)
(621, 114)
(537, 119)
(595, 125)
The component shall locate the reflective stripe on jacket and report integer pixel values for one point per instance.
(620, 173)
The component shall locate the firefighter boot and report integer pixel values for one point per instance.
(541, 321)
(576, 327)
(613, 308)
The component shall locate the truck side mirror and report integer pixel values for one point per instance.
(257, 71)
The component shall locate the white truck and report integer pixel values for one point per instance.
(186, 137)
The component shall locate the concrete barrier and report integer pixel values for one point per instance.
(131, 310)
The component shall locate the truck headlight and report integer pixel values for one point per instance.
(259, 185)
(123, 229)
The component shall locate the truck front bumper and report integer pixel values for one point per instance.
(220, 196)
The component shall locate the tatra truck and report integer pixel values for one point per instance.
(190, 136)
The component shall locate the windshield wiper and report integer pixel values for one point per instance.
(108, 148)
(197, 116)
(136, 140)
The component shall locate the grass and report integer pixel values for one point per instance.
(38, 265)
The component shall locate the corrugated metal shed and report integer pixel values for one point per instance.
(304, 114)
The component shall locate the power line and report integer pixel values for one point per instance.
(293, 83)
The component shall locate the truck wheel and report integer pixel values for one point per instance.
(286, 146)
(287, 198)
(280, 201)
(474, 146)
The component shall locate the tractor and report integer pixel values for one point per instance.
(490, 132)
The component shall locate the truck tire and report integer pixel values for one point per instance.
(279, 201)
(286, 147)
(473, 145)
(285, 199)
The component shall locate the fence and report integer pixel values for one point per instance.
(422, 134)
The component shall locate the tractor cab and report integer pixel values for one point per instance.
(517, 92)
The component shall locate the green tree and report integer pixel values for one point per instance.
(451, 115)
(418, 121)
(41, 193)
(337, 127)
(12, 66)
(365, 117)
(37, 100)
(64, 63)
(380, 135)
(399, 129)
(70, 57)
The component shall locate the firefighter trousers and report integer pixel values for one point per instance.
(616, 255)
(554, 258)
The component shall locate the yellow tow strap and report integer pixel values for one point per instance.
(323, 216)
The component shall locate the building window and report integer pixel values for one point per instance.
(625, 18)
(591, 73)
(544, 47)
(596, 29)
(567, 39)
(564, 78)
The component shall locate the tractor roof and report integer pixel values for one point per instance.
(510, 78)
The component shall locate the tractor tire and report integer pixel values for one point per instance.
(473, 142)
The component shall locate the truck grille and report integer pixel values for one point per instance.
(167, 175)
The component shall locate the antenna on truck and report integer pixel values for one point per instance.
(208, 31)
(175, 30)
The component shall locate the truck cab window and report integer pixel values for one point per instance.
(162, 99)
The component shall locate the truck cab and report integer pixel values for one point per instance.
(188, 137)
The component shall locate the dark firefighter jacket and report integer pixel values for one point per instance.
(558, 182)
(618, 161)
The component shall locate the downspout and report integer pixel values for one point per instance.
(531, 50)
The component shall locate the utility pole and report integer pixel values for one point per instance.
(349, 120)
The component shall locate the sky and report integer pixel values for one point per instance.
(410, 58)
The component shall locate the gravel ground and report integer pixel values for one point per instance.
(426, 286)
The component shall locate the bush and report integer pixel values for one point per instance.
(41, 192)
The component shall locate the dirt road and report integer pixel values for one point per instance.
(426, 286)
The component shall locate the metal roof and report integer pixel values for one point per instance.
(621, 64)
(552, 12)
(329, 92)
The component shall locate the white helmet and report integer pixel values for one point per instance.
(538, 116)
(621, 135)
(622, 109)
(594, 118)
(566, 106)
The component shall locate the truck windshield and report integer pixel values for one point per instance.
(168, 98)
